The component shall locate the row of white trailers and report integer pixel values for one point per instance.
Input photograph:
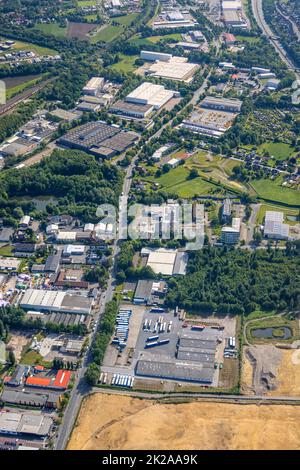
(123, 380)
(122, 328)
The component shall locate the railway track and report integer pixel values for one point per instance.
(16, 100)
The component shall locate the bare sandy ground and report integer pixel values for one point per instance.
(288, 374)
(111, 422)
(281, 371)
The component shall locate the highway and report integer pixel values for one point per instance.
(260, 19)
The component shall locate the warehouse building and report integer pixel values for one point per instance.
(154, 56)
(36, 400)
(93, 86)
(167, 261)
(99, 139)
(177, 68)
(178, 370)
(142, 101)
(222, 104)
(274, 227)
(56, 301)
(25, 423)
(226, 210)
(150, 292)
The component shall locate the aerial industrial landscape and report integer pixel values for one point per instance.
(149, 225)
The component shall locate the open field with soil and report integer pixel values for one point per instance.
(272, 371)
(109, 422)
(79, 30)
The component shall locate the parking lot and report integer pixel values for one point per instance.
(143, 326)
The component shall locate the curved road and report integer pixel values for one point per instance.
(260, 19)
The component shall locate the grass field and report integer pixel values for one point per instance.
(246, 39)
(279, 150)
(28, 46)
(176, 181)
(288, 212)
(86, 3)
(33, 357)
(107, 34)
(52, 29)
(271, 190)
(125, 20)
(6, 250)
(155, 39)
(21, 87)
(126, 64)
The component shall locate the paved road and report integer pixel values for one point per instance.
(204, 396)
(80, 386)
(260, 19)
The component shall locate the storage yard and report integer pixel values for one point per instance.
(120, 422)
(152, 347)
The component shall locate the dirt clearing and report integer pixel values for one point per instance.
(108, 422)
(268, 370)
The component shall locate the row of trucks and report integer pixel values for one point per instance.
(153, 341)
(123, 380)
(122, 328)
(230, 350)
(103, 378)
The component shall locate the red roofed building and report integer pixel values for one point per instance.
(43, 382)
(62, 379)
(229, 38)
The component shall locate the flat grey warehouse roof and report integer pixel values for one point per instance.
(176, 371)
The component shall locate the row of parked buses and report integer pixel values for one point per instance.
(122, 380)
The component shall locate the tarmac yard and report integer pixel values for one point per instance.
(108, 422)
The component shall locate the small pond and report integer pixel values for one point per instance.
(281, 332)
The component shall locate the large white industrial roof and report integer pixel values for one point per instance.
(149, 93)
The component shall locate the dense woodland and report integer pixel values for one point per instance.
(78, 181)
(102, 340)
(239, 281)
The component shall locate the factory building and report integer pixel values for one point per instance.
(153, 56)
(180, 370)
(274, 227)
(231, 235)
(177, 68)
(222, 104)
(25, 423)
(36, 400)
(56, 301)
(99, 139)
(142, 101)
(226, 211)
(93, 86)
(167, 261)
